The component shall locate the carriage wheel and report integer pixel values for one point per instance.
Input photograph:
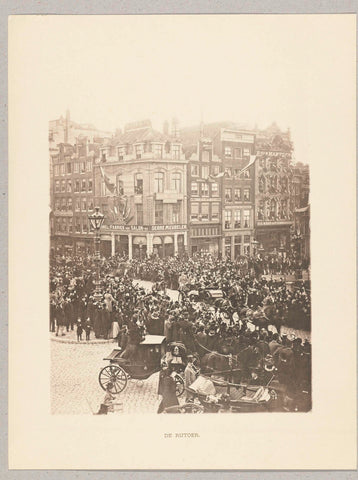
(114, 374)
(179, 385)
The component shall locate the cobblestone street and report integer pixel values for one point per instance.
(74, 381)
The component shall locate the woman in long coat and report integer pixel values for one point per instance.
(167, 389)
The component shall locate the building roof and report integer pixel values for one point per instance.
(146, 134)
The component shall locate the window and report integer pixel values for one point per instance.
(237, 239)
(89, 166)
(227, 219)
(194, 188)
(159, 212)
(77, 186)
(139, 208)
(78, 226)
(69, 204)
(90, 205)
(63, 204)
(227, 151)
(138, 150)
(138, 184)
(237, 219)
(76, 167)
(215, 211)
(83, 186)
(176, 212)
(195, 170)
(246, 152)
(214, 189)
(57, 204)
(205, 171)
(84, 205)
(77, 205)
(228, 197)
(57, 186)
(215, 169)
(205, 212)
(90, 185)
(246, 238)
(204, 190)
(228, 172)
(247, 173)
(246, 218)
(176, 151)
(85, 225)
(158, 182)
(104, 157)
(69, 186)
(56, 170)
(246, 194)
(68, 167)
(194, 211)
(158, 151)
(64, 225)
(63, 186)
(237, 194)
(83, 167)
(176, 182)
(238, 153)
(62, 168)
(70, 225)
(121, 152)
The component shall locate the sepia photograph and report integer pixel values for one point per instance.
(178, 249)
(182, 256)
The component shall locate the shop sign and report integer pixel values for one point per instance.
(147, 228)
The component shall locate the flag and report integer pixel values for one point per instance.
(107, 181)
(251, 162)
(218, 175)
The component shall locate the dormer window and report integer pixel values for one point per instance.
(158, 151)
(138, 151)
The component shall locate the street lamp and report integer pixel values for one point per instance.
(96, 220)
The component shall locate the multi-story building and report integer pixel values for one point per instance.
(65, 130)
(236, 149)
(140, 187)
(274, 191)
(72, 196)
(204, 199)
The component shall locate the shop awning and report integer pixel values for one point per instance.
(157, 241)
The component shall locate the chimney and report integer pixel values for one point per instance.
(175, 127)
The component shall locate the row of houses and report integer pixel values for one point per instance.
(215, 188)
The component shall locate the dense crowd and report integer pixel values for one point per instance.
(244, 321)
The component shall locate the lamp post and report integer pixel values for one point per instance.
(96, 220)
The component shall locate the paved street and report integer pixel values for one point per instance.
(74, 381)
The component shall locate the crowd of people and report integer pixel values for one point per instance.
(245, 321)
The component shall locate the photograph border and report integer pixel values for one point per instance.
(135, 7)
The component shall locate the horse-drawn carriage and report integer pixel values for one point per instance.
(151, 356)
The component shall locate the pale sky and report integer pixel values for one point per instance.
(111, 70)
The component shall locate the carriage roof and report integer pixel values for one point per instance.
(153, 340)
